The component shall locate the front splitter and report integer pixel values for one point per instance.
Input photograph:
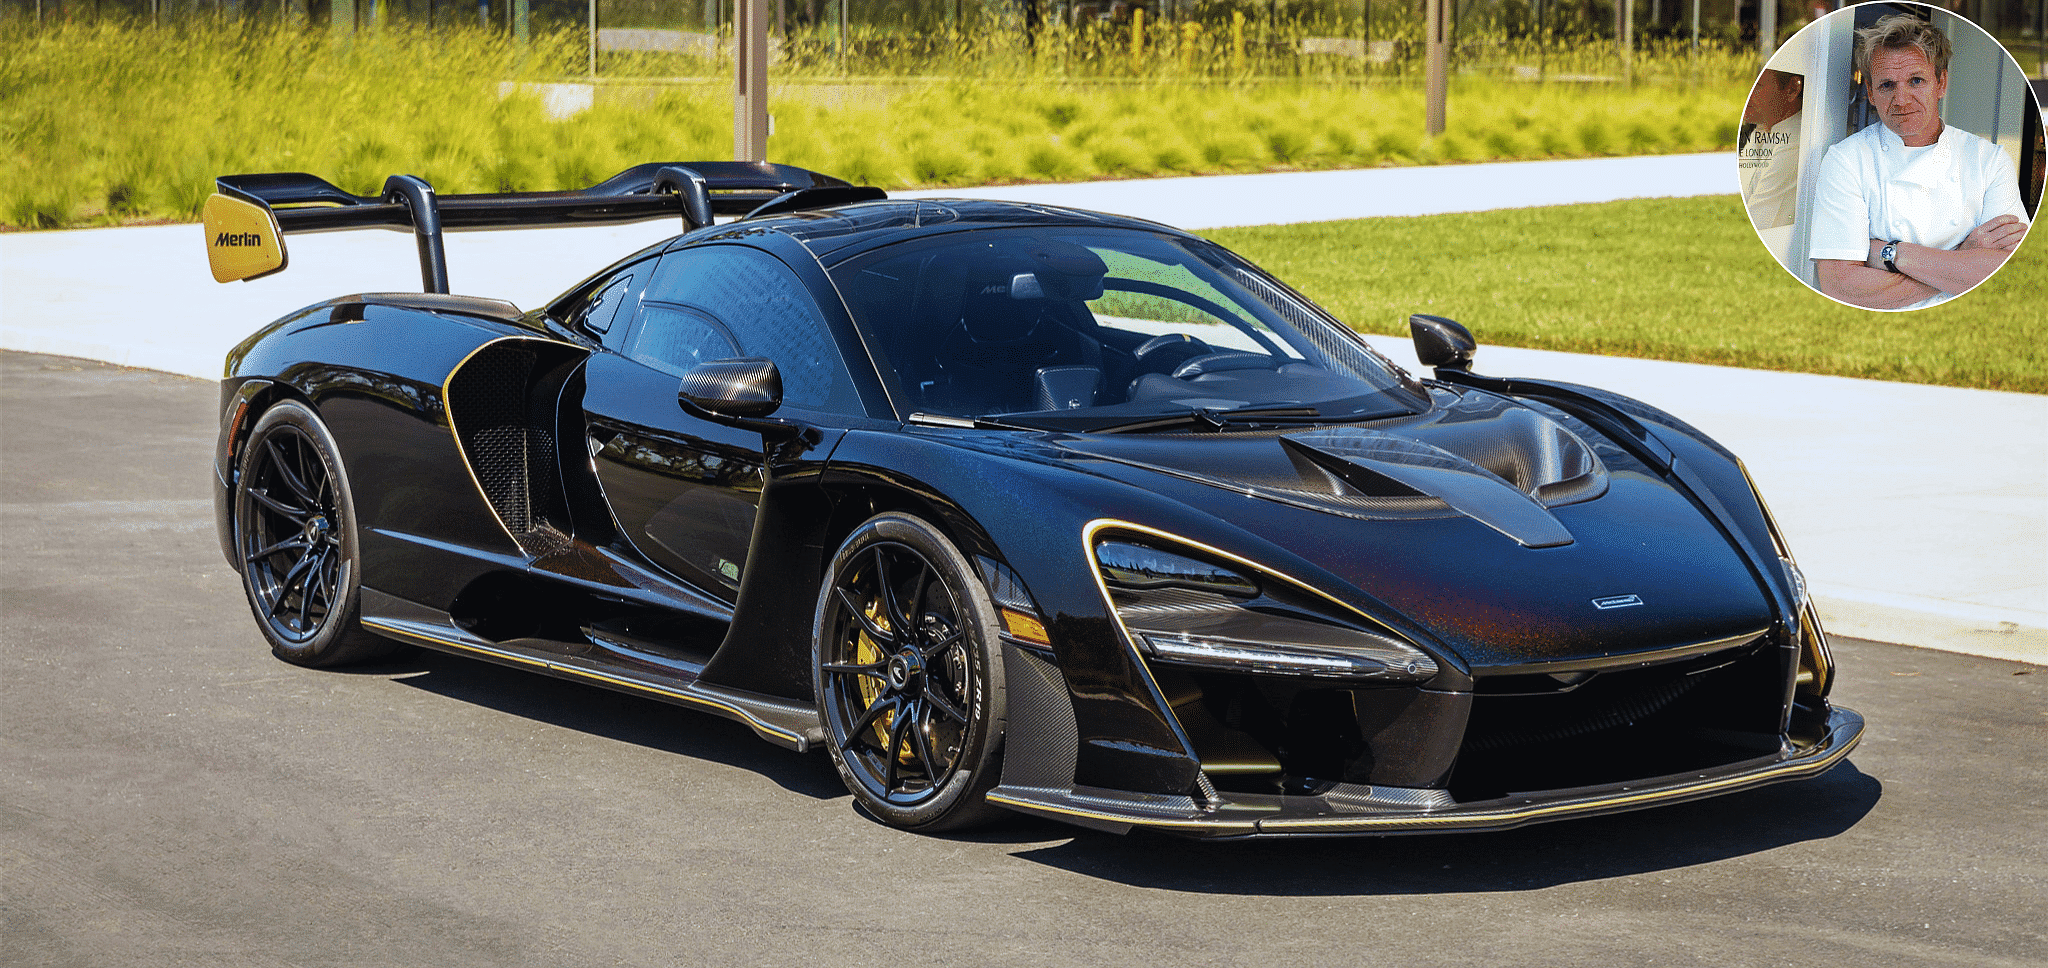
(1384, 812)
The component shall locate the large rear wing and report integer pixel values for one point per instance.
(247, 219)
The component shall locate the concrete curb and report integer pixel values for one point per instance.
(2009, 634)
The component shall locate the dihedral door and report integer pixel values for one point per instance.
(683, 491)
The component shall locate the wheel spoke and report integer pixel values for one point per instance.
(280, 602)
(859, 731)
(923, 746)
(874, 669)
(896, 731)
(320, 584)
(943, 705)
(874, 630)
(932, 651)
(301, 573)
(914, 612)
(290, 475)
(294, 541)
(297, 515)
(891, 607)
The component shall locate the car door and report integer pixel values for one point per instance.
(683, 491)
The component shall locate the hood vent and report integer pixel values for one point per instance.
(1521, 466)
(1472, 455)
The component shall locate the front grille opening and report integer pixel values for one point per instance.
(1619, 726)
(1261, 734)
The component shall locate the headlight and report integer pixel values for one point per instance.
(1188, 611)
(1137, 567)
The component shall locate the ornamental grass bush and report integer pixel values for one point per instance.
(109, 123)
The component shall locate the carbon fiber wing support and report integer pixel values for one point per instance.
(698, 191)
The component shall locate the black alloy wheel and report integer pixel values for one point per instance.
(296, 537)
(908, 674)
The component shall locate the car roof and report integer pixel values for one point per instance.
(839, 232)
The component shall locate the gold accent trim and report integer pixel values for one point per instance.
(1135, 821)
(1770, 520)
(1099, 525)
(611, 680)
(1475, 819)
(243, 240)
(1173, 722)
(1816, 670)
(1646, 798)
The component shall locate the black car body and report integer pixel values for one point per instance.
(1016, 507)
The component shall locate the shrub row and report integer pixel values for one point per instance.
(104, 124)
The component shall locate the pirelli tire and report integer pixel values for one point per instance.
(296, 542)
(908, 674)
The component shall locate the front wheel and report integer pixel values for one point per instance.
(295, 532)
(909, 676)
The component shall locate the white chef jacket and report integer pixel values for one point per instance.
(1769, 165)
(1867, 191)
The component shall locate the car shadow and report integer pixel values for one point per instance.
(1527, 858)
(617, 716)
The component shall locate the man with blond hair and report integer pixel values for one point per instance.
(1911, 212)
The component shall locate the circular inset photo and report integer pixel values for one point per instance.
(1891, 155)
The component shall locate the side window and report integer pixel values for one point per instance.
(720, 301)
(603, 308)
(602, 311)
(675, 338)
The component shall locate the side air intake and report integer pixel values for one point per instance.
(508, 439)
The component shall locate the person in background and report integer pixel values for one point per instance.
(1911, 212)
(1770, 149)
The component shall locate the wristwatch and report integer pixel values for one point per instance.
(1888, 253)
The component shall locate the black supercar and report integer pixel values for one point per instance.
(1011, 507)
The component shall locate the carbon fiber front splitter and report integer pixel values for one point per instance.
(1368, 811)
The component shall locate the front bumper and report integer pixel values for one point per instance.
(1356, 810)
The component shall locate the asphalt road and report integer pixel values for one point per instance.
(172, 795)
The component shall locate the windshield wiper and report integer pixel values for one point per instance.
(1211, 418)
(976, 423)
(1240, 416)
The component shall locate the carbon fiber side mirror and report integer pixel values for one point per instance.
(1441, 343)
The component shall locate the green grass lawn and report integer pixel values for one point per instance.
(1670, 279)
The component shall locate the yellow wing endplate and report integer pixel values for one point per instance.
(243, 240)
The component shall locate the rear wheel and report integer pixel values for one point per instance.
(909, 678)
(295, 532)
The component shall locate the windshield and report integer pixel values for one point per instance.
(1098, 329)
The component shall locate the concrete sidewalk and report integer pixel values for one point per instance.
(1919, 513)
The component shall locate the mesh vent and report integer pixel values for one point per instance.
(511, 454)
